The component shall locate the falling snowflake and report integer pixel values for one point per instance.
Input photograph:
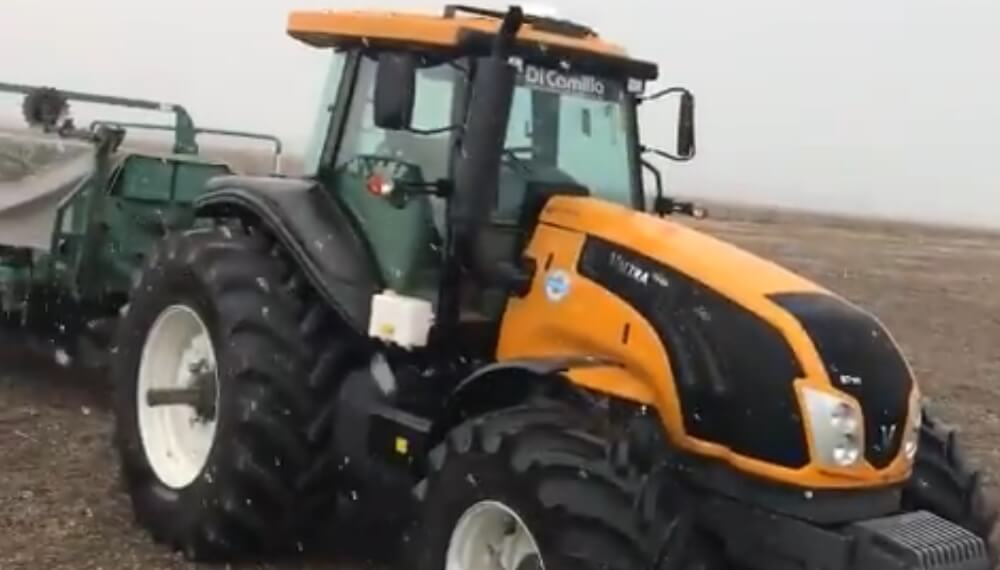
(63, 358)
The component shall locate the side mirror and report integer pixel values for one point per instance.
(395, 90)
(685, 126)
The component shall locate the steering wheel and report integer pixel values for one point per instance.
(389, 167)
(376, 170)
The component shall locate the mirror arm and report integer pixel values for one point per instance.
(663, 206)
(658, 152)
(663, 93)
(657, 176)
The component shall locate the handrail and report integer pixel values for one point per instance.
(275, 141)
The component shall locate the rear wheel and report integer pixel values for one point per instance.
(944, 483)
(223, 369)
(531, 488)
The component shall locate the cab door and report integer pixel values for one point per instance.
(405, 235)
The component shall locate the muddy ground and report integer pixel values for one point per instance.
(60, 507)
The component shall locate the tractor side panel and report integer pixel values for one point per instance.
(566, 315)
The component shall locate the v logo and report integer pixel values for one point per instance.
(888, 434)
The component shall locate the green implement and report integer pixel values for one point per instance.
(81, 207)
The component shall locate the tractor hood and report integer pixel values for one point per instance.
(688, 251)
(742, 335)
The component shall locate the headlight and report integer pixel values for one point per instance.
(837, 428)
(911, 441)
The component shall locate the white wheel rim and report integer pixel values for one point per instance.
(176, 439)
(491, 536)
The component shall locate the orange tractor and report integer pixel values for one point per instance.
(475, 321)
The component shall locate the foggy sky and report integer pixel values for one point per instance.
(887, 108)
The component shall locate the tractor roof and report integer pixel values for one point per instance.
(464, 30)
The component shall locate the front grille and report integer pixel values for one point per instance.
(919, 541)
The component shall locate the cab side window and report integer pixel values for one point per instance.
(327, 99)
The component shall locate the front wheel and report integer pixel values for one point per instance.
(532, 488)
(945, 484)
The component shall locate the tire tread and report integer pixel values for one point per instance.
(562, 460)
(285, 362)
(944, 482)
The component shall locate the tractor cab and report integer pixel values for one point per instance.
(400, 112)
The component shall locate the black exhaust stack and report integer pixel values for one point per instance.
(477, 169)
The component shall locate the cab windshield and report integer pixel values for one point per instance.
(568, 128)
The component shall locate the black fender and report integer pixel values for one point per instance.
(313, 227)
(508, 383)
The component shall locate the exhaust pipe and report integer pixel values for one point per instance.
(477, 170)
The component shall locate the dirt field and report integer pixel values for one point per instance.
(938, 291)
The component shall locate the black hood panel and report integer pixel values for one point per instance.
(861, 360)
(734, 371)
